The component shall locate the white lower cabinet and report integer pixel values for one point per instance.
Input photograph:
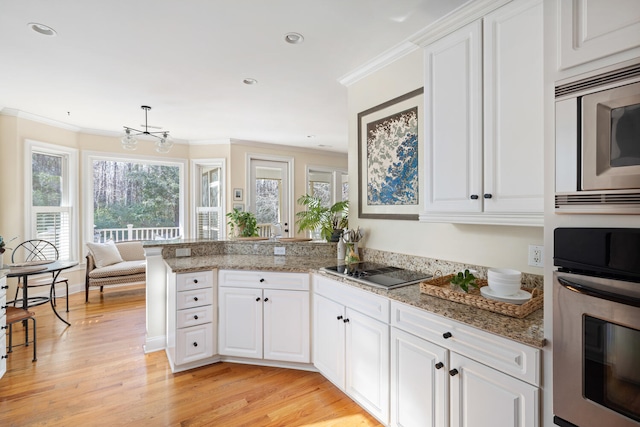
(191, 319)
(484, 397)
(264, 315)
(351, 343)
(419, 382)
(445, 373)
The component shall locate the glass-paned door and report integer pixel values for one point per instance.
(269, 194)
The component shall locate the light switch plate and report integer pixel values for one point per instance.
(183, 252)
(279, 250)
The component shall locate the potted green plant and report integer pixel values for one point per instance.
(243, 224)
(464, 281)
(329, 220)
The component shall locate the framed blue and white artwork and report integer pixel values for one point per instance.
(389, 173)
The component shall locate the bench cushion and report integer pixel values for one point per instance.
(124, 268)
(104, 254)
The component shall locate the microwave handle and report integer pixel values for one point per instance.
(598, 293)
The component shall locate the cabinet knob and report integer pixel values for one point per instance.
(261, 280)
(4, 327)
(339, 317)
(195, 317)
(258, 299)
(439, 365)
(4, 307)
(4, 356)
(487, 196)
(453, 372)
(474, 197)
(195, 298)
(447, 335)
(346, 320)
(266, 299)
(195, 344)
(5, 287)
(195, 280)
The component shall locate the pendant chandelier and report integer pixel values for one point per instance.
(129, 141)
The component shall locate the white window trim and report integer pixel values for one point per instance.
(196, 164)
(70, 173)
(87, 178)
(290, 177)
(336, 182)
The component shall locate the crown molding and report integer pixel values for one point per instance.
(287, 147)
(457, 18)
(39, 119)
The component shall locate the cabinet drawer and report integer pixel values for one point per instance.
(195, 280)
(3, 286)
(194, 298)
(368, 303)
(513, 358)
(194, 316)
(264, 280)
(3, 310)
(194, 343)
(3, 352)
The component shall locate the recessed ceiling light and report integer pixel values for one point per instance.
(250, 81)
(311, 136)
(293, 38)
(45, 30)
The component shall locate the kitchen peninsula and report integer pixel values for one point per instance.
(237, 301)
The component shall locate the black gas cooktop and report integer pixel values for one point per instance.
(378, 275)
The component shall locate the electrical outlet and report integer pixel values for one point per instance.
(279, 250)
(183, 252)
(536, 256)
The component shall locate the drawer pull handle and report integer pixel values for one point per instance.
(340, 317)
(346, 320)
(453, 372)
(195, 280)
(195, 298)
(195, 317)
(488, 196)
(439, 365)
(258, 299)
(447, 335)
(195, 344)
(474, 197)
(266, 299)
(261, 280)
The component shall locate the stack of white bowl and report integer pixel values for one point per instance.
(504, 282)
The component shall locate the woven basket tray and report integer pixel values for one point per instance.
(441, 288)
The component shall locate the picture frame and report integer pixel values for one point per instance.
(237, 194)
(390, 171)
(239, 206)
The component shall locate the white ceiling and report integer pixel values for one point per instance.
(187, 60)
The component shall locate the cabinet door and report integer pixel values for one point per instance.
(594, 29)
(329, 339)
(367, 363)
(240, 322)
(483, 397)
(453, 121)
(286, 326)
(514, 109)
(419, 392)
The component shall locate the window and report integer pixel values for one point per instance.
(51, 182)
(134, 199)
(208, 194)
(329, 184)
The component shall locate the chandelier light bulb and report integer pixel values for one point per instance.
(129, 142)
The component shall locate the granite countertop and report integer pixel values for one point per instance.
(527, 331)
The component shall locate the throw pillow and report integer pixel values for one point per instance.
(104, 254)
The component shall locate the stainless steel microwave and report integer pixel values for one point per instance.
(598, 143)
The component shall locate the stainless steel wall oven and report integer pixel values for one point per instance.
(596, 327)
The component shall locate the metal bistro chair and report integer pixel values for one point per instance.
(15, 315)
(38, 250)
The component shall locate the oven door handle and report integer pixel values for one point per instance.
(598, 293)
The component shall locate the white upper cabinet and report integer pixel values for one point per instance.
(596, 29)
(484, 119)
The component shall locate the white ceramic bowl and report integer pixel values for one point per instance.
(504, 274)
(504, 281)
(504, 288)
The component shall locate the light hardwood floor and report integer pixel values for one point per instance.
(95, 373)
